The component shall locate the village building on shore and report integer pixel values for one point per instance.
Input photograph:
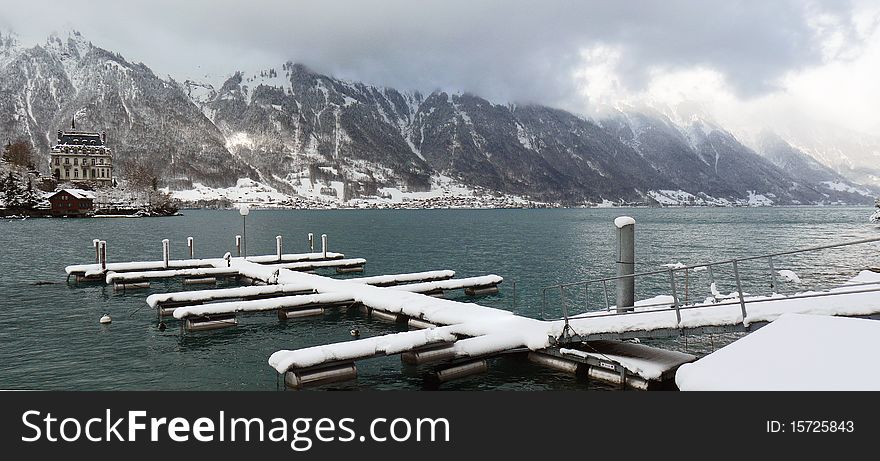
(82, 157)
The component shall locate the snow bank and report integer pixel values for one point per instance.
(794, 353)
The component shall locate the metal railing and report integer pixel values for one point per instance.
(677, 304)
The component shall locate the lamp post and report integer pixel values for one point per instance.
(243, 211)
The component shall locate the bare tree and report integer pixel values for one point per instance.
(19, 153)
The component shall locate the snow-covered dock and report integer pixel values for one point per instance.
(170, 300)
(481, 332)
(793, 353)
(96, 269)
(858, 297)
(456, 339)
(296, 305)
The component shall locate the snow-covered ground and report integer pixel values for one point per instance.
(445, 192)
(797, 352)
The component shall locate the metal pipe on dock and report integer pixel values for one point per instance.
(626, 286)
(435, 353)
(130, 286)
(481, 291)
(384, 316)
(209, 323)
(461, 371)
(555, 363)
(285, 314)
(418, 324)
(327, 375)
(615, 378)
(200, 281)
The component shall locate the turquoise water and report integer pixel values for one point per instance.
(50, 337)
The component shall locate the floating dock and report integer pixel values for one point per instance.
(454, 339)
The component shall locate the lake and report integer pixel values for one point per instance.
(51, 339)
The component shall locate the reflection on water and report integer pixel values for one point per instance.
(50, 336)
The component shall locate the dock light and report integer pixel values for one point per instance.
(244, 210)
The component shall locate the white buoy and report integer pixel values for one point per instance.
(105, 319)
(355, 332)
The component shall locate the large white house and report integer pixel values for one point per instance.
(81, 157)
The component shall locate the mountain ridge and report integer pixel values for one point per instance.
(303, 133)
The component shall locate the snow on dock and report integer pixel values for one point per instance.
(454, 284)
(397, 279)
(311, 265)
(92, 269)
(262, 305)
(141, 266)
(291, 258)
(202, 296)
(126, 277)
(298, 301)
(857, 297)
(793, 354)
(484, 331)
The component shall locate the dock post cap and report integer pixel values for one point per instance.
(622, 221)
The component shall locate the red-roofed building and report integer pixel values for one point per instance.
(72, 202)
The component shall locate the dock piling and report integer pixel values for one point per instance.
(103, 244)
(238, 245)
(166, 252)
(324, 245)
(625, 263)
(97, 244)
(278, 246)
(189, 245)
(311, 242)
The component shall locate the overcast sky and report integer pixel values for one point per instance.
(741, 62)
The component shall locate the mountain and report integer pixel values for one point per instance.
(148, 119)
(801, 165)
(302, 133)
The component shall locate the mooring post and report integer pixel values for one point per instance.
(103, 255)
(166, 251)
(189, 245)
(324, 245)
(311, 242)
(626, 263)
(97, 244)
(238, 245)
(278, 247)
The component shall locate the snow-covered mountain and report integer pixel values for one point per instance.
(301, 133)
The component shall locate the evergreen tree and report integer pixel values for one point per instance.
(30, 197)
(11, 192)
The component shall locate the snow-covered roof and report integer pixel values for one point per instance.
(77, 193)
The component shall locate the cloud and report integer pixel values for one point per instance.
(568, 54)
